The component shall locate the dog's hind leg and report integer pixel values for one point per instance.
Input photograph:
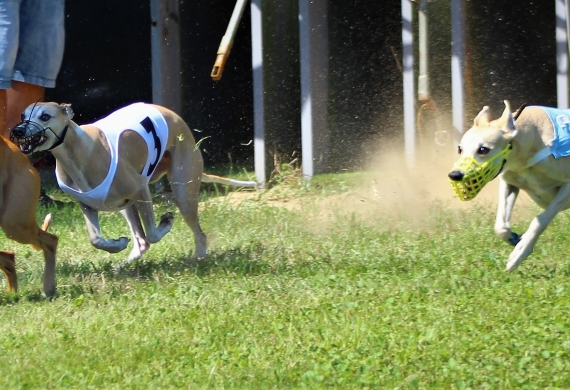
(48, 243)
(507, 197)
(19, 224)
(8, 265)
(526, 245)
(92, 222)
(140, 246)
(185, 180)
(31, 234)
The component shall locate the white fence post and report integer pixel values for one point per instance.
(561, 54)
(258, 98)
(313, 42)
(409, 87)
(457, 67)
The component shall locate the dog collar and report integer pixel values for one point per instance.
(541, 154)
(59, 139)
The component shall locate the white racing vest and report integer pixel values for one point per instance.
(142, 118)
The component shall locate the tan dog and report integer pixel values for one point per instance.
(140, 143)
(523, 155)
(19, 195)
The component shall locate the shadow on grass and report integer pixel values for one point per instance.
(33, 295)
(546, 271)
(86, 277)
(245, 262)
(240, 262)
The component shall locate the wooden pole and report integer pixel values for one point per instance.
(165, 54)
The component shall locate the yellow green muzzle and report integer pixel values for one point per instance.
(475, 175)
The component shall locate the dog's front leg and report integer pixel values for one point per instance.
(92, 221)
(507, 197)
(153, 233)
(526, 245)
(140, 246)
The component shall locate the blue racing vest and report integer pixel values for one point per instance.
(561, 121)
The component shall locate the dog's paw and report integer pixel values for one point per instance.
(119, 244)
(50, 292)
(140, 246)
(111, 246)
(123, 242)
(514, 239)
(522, 250)
(137, 252)
(513, 264)
(166, 220)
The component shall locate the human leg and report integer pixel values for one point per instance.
(39, 44)
(3, 112)
(9, 38)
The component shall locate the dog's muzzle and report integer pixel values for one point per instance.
(28, 136)
(468, 177)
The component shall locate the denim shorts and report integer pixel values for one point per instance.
(32, 38)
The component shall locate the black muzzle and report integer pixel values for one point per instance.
(28, 136)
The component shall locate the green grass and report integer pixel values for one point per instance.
(294, 297)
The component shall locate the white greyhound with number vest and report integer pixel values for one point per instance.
(108, 165)
(529, 154)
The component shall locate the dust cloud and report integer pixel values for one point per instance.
(391, 194)
(417, 195)
(412, 196)
(419, 184)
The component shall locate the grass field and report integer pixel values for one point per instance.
(304, 287)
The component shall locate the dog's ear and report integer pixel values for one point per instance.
(506, 121)
(66, 110)
(483, 118)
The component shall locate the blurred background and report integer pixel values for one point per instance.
(510, 53)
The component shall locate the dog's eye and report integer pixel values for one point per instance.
(459, 150)
(483, 150)
(45, 117)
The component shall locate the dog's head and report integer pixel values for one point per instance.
(483, 152)
(43, 127)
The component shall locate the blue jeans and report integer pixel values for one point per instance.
(32, 38)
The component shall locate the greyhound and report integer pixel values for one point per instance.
(108, 165)
(528, 155)
(19, 195)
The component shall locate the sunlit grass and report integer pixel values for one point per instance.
(290, 299)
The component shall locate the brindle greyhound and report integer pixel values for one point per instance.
(109, 164)
(525, 155)
(19, 195)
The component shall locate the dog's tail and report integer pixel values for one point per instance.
(47, 222)
(45, 227)
(229, 182)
